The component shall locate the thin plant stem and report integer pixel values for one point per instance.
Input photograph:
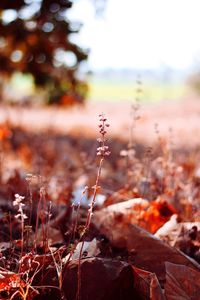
(102, 151)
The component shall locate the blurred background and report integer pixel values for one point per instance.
(74, 59)
(155, 39)
(104, 45)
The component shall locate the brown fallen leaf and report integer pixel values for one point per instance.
(107, 279)
(101, 279)
(147, 285)
(182, 282)
(150, 252)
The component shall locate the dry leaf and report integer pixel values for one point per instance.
(182, 282)
(150, 252)
(147, 285)
(101, 279)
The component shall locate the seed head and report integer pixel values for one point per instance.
(103, 149)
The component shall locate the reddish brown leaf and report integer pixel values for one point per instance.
(182, 283)
(147, 285)
(101, 279)
(9, 280)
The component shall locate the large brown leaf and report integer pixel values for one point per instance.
(150, 252)
(101, 279)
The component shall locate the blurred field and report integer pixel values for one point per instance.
(117, 90)
(180, 116)
(111, 89)
(170, 105)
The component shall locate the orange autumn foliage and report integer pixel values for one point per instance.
(10, 280)
(4, 133)
(157, 214)
(67, 100)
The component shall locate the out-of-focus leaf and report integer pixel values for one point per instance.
(157, 214)
(148, 215)
(185, 236)
(4, 133)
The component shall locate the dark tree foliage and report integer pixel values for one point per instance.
(32, 42)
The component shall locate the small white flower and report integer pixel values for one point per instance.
(18, 199)
(18, 202)
(21, 216)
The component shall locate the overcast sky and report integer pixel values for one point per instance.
(140, 33)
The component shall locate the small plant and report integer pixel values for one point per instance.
(21, 215)
(103, 151)
(30, 264)
(130, 154)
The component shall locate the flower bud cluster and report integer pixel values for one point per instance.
(103, 149)
(18, 202)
